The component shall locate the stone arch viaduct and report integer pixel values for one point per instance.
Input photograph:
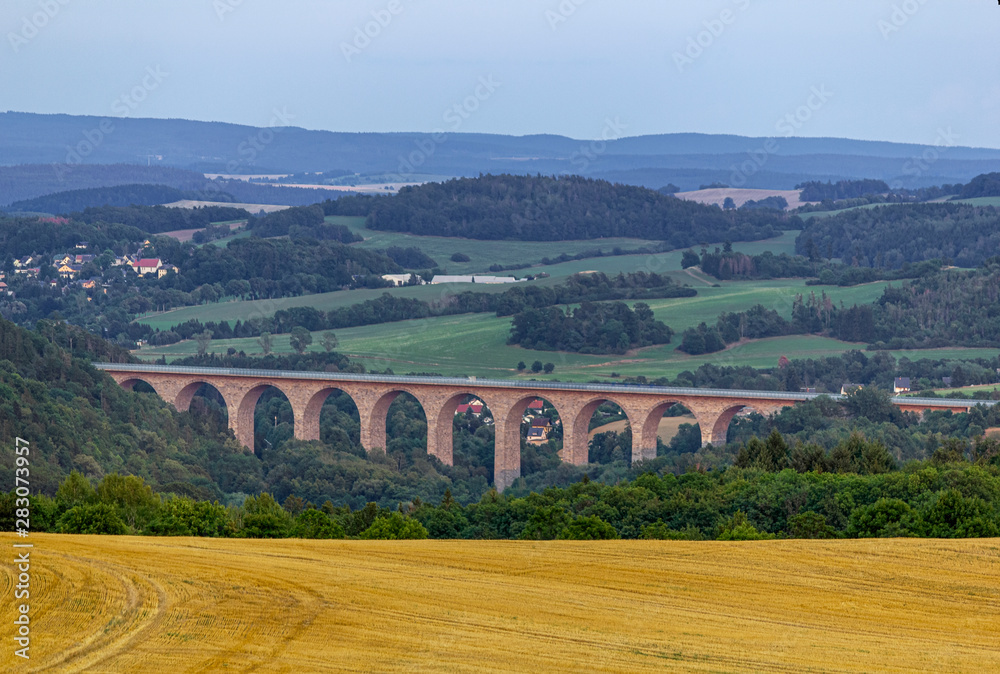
(439, 396)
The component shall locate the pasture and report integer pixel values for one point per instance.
(476, 344)
(127, 604)
(663, 263)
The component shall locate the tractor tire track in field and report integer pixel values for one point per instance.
(157, 605)
(144, 609)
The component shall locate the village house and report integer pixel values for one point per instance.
(901, 385)
(68, 270)
(537, 436)
(4, 289)
(25, 262)
(847, 389)
(146, 265)
(475, 408)
(166, 269)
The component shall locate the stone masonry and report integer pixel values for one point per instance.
(507, 402)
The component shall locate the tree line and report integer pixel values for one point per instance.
(762, 497)
(389, 308)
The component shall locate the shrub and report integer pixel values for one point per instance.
(739, 528)
(394, 527)
(591, 528)
(886, 518)
(316, 524)
(99, 518)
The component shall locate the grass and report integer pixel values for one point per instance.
(125, 604)
(977, 201)
(826, 214)
(969, 389)
(980, 201)
(482, 254)
(669, 263)
(476, 344)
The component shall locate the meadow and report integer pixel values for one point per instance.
(662, 263)
(127, 604)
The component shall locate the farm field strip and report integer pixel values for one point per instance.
(663, 263)
(476, 344)
(124, 604)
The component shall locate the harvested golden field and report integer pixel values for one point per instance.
(126, 604)
(668, 428)
(717, 196)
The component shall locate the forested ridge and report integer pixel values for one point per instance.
(889, 236)
(539, 208)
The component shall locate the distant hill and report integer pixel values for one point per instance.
(539, 208)
(31, 180)
(685, 159)
(121, 195)
(61, 189)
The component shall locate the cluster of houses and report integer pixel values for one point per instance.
(69, 265)
(539, 425)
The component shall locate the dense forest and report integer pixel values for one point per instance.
(890, 236)
(951, 308)
(158, 219)
(985, 185)
(842, 189)
(946, 497)
(727, 265)
(538, 208)
(610, 327)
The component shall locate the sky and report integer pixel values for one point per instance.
(896, 70)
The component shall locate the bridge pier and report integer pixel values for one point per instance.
(644, 407)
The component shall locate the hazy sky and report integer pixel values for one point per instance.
(895, 70)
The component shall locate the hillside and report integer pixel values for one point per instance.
(160, 605)
(686, 159)
(893, 235)
(537, 208)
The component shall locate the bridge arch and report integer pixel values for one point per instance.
(717, 433)
(440, 424)
(308, 417)
(576, 437)
(242, 420)
(131, 384)
(649, 431)
(507, 452)
(373, 417)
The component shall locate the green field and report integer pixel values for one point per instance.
(664, 263)
(476, 344)
(970, 389)
(980, 201)
(482, 254)
(826, 214)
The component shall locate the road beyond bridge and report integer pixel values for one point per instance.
(440, 397)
